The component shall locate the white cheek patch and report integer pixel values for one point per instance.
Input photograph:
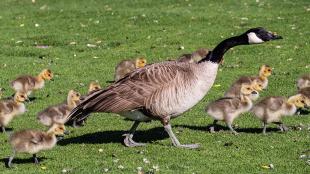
(253, 39)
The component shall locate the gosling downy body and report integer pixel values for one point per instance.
(228, 109)
(11, 108)
(272, 109)
(196, 56)
(33, 141)
(128, 66)
(28, 83)
(163, 91)
(303, 81)
(59, 113)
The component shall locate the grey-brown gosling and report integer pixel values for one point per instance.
(228, 109)
(33, 141)
(306, 93)
(11, 108)
(272, 109)
(127, 66)
(196, 56)
(58, 113)
(303, 81)
(28, 83)
(260, 82)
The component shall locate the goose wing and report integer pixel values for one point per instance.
(132, 92)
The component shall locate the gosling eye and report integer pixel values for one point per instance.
(248, 88)
(269, 70)
(302, 101)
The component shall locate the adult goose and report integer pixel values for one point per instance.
(165, 90)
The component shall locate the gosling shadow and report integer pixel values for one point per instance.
(21, 160)
(105, 137)
(7, 130)
(224, 128)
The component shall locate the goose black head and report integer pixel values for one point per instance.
(260, 35)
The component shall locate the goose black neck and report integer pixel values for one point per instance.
(217, 54)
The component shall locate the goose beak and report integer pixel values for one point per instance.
(275, 36)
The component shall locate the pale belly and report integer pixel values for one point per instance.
(135, 115)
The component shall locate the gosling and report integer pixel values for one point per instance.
(11, 108)
(196, 56)
(33, 141)
(28, 83)
(127, 66)
(272, 109)
(260, 82)
(58, 113)
(228, 109)
(303, 81)
(93, 86)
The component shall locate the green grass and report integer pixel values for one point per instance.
(154, 29)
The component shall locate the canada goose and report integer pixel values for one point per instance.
(33, 141)
(227, 109)
(28, 83)
(127, 66)
(162, 91)
(259, 82)
(303, 81)
(271, 109)
(10, 108)
(196, 56)
(59, 113)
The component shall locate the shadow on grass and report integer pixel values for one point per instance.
(224, 128)
(105, 137)
(7, 130)
(21, 161)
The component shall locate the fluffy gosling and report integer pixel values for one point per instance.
(303, 81)
(196, 56)
(228, 109)
(28, 83)
(127, 66)
(33, 141)
(58, 113)
(93, 86)
(11, 108)
(272, 109)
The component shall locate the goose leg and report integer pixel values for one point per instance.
(264, 128)
(231, 129)
(3, 129)
(35, 159)
(128, 141)
(213, 125)
(11, 159)
(175, 141)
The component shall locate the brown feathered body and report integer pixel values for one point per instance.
(158, 91)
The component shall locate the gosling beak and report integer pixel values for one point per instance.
(253, 92)
(52, 79)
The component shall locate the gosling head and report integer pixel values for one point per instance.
(297, 100)
(46, 74)
(74, 96)
(140, 62)
(57, 129)
(20, 97)
(260, 35)
(94, 86)
(265, 71)
(248, 90)
(257, 85)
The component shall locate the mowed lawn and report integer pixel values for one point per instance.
(82, 41)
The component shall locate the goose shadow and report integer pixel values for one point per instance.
(218, 128)
(105, 137)
(21, 160)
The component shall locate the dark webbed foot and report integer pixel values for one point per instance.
(129, 142)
